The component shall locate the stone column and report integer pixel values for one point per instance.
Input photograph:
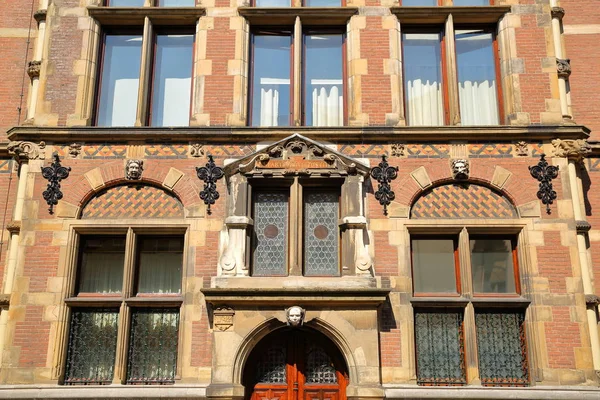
(563, 65)
(34, 67)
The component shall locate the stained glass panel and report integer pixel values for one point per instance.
(270, 233)
(153, 346)
(321, 234)
(440, 348)
(271, 367)
(319, 366)
(92, 346)
(501, 346)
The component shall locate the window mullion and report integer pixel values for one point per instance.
(122, 344)
(451, 74)
(464, 256)
(297, 67)
(295, 239)
(130, 249)
(145, 72)
(470, 343)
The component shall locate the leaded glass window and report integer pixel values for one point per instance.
(270, 233)
(271, 367)
(440, 348)
(502, 350)
(319, 366)
(321, 233)
(92, 346)
(153, 346)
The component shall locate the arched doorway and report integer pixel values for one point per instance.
(295, 364)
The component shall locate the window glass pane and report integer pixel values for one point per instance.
(492, 266)
(502, 350)
(321, 234)
(101, 265)
(272, 3)
(477, 89)
(434, 266)
(271, 80)
(270, 233)
(420, 3)
(125, 3)
(322, 3)
(92, 346)
(172, 86)
(423, 79)
(471, 2)
(160, 261)
(153, 346)
(120, 80)
(177, 3)
(323, 80)
(440, 348)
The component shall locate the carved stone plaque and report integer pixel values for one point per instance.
(294, 163)
(223, 318)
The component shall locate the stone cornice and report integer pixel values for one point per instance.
(230, 134)
(438, 15)
(136, 15)
(308, 15)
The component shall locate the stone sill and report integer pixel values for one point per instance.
(383, 134)
(287, 15)
(438, 15)
(470, 392)
(171, 392)
(136, 15)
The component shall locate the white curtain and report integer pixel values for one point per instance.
(478, 97)
(102, 273)
(327, 102)
(160, 272)
(176, 104)
(269, 100)
(425, 104)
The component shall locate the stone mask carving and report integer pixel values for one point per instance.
(294, 316)
(460, 169)
(133, 169)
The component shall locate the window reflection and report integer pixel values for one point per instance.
(125, 3)
(471, 2)
(492, 266)
(272, 3)
(420, 3)
(322, 3)
(434, 266)
(177, 3)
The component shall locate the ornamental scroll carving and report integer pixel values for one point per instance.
(573, 149)
(25, 151)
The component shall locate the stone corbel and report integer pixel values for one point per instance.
(563, 67)
(24, 151)
(573, 149)
(233, 257)
(33, 69)
(40, 15)
(4, 301)
(357, 229)
(557, 12)
(14, 227)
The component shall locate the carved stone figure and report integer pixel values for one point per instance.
(133, 169)
(460, 169)
(575, 149)
(563, 67)
(295, 316)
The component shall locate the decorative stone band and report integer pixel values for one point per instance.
(563, 67)
(574, 149)
(14, 226)
(582, 226)
(557, 12)
(33, 68)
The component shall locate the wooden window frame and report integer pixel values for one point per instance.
(457, 266)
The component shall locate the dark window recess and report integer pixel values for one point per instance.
(92, 347)
(153, 346)
(440, 348)
(319, 366)
(502, 350)
(271, 367)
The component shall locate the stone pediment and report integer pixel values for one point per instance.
(297, 155)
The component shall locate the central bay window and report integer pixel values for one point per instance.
(468, 285)
(126, 286)
(322, 66)
(294, 226)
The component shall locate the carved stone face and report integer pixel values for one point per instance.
(460, 169)
(295, 315)
(134, 169)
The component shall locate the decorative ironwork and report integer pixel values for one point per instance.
(545, 173)
(319, 366)
(384, 174)
(502, 350)
(153, 346)
(440, 348)
(270, 233)
(54, 174)
(210, 174)
(271, 367)
(321, 234)
(92, 346)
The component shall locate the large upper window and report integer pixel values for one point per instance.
(491, 276)
(296, 225)
(135, 278)
(305, 3)
(429, 3)
(428, 77)
(322, 74)
(157, 3)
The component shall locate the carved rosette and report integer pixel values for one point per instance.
(573, 149)
(563, 67)
(33, 69)
(24, 151)
(223, 318)
(557, 12)
(398, 149)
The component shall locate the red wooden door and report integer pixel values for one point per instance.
(296, 365)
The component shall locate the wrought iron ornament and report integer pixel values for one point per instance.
(54, 174)
(545, 173)
(384, 174)
(210, 174)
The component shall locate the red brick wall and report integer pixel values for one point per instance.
(562, 336)
(32, 336)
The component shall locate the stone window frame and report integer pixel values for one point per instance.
(145, 19)
(124, 302)
(447, 19)
(470, 303)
